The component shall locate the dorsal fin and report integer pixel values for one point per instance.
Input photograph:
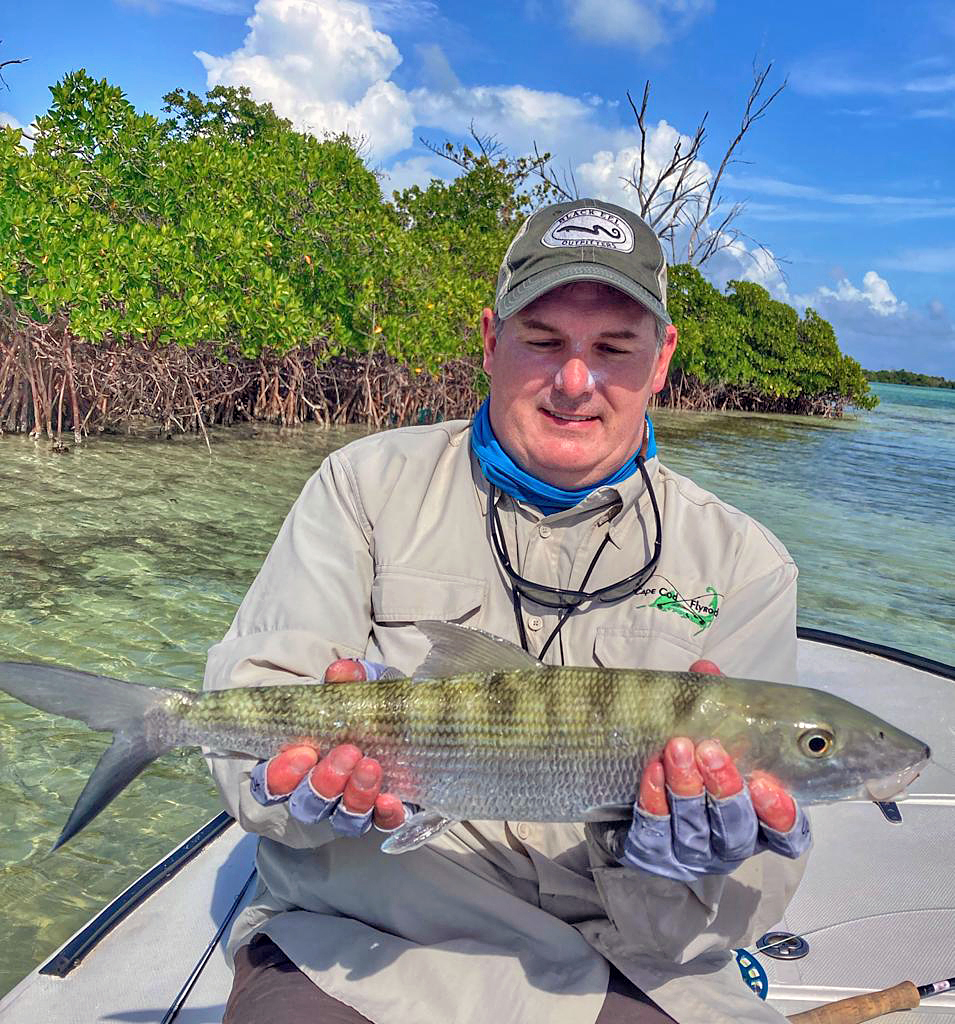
(458, 649)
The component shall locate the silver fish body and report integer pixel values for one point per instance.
(528, 741)
(559, 744)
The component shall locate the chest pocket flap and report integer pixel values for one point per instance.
(401, 593)
(644, 648)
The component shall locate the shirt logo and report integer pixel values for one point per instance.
(589, 225)
(701, 609)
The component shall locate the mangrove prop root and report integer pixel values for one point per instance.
(49, 377)
(51, 381)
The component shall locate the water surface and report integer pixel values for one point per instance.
(129, 557)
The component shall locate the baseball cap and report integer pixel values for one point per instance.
(583, 240)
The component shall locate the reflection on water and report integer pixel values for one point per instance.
(864, 505)
(129, 557)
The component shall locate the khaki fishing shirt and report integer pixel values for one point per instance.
(501, 921)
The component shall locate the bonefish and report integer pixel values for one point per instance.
(484, 731)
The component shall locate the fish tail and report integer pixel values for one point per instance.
(104, 704)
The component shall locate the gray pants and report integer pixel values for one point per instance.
(270, 989)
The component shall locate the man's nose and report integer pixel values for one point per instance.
(574, 378)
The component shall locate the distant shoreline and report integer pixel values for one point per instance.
(909, 378)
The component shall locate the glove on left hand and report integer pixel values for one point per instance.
(704, 835)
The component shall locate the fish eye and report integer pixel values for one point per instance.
(816, 742)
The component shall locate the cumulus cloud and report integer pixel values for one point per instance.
(875, 295)
(327, 66)
(9, 121)
(324, 66)
(641, 23)
(874, 326)
(515, 114)
(607, 173)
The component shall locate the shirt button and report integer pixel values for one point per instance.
(544, 531)
(523, 831)
(534, 622)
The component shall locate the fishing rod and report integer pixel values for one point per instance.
(856, 1009)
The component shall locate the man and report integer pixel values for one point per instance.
(550, 523)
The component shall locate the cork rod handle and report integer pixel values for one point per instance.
(861, 1008)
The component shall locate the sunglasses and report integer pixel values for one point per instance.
(554, 597)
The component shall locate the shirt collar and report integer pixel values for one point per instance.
(625, 495)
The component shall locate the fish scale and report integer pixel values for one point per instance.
(524, 741)
(479, 745)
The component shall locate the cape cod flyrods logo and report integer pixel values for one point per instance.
(701, 610)
(589, 226)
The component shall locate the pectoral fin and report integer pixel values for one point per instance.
(419, 829)
(608, 812)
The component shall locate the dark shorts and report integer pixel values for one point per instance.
(269, 988)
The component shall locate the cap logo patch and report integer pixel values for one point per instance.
(589, 225)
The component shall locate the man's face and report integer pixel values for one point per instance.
(571, 375)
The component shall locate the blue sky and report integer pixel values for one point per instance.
(849, 181)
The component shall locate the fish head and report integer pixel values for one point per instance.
(823, 748)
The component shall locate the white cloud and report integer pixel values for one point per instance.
(517, 116)
(910, 339)
(606, 176)
(881, 331)
(416, 170)
(737, 261)
(323, 65)
(641, 23)
(875, 295)
(9, 121)
(326, 66)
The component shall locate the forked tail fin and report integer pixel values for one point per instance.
(108, 705)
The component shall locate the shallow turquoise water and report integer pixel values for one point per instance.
(129, 557)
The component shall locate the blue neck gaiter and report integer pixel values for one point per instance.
(501, 470)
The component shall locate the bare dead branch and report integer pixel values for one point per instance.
(8, 63)
(678, 201)
(565, 188)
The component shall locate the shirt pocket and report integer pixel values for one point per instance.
(404, 594)
(626, 647)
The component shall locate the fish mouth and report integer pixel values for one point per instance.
(889, 786)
